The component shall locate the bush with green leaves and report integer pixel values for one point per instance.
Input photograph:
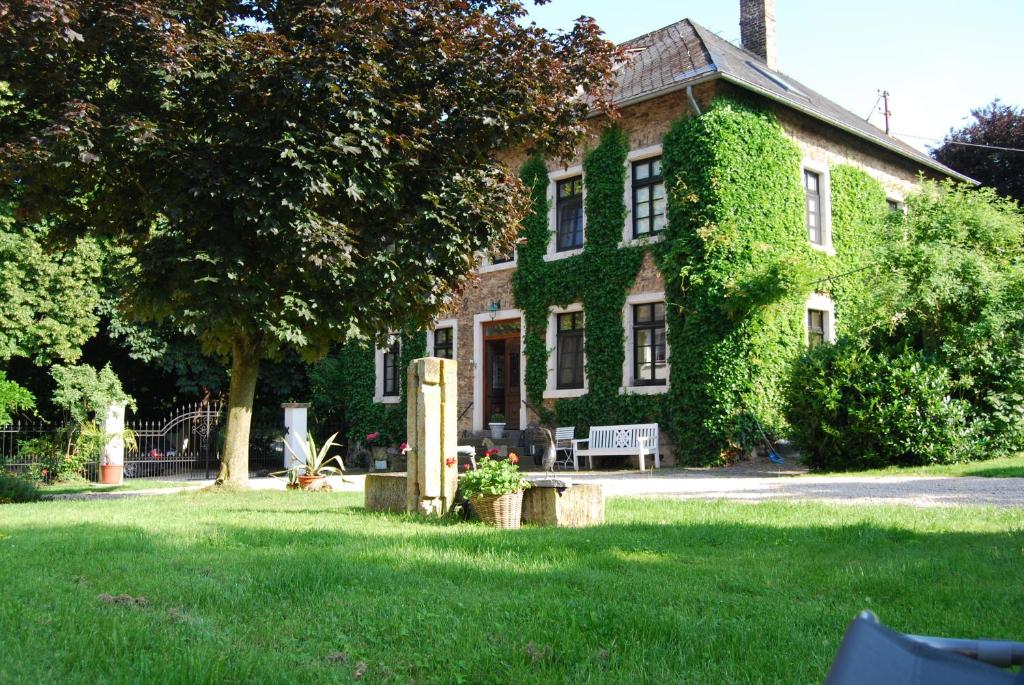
(15, 489)
(493, 477)
(853, 408)
(936, 373)
(13, 398)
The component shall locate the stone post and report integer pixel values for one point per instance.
(432, 474)
(113, 429)
(295, 432)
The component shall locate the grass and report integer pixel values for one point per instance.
(999, 467)
(133, 485)
(289, 587)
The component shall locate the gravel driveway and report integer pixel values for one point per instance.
(920, 491)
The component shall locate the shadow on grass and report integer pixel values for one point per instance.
(711, 593)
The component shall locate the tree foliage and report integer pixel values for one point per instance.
(997, 125)
(947, 336)
(13, 398)
(287, 174)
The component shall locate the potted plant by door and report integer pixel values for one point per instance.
(310, 470)
(497, 425)
(377, 442)
(495, 489)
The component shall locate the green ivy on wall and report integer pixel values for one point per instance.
(599, 277)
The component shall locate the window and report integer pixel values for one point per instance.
(391, 370)
(569, 214)
(650, 365)
(894, 205)
(504, 258)
(648, 198)
(444, 343)
(569, 350)
(812, 189)
(816, 331)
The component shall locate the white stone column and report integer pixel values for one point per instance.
(113, 428)
(295, 435)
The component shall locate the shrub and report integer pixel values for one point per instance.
(14, 489)
(492, 477)
(852, 408)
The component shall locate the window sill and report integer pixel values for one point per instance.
(490, 268)
(827, 249)
(554, 256)
(644, 389)
(389, 399)
(643, 240)
(564, 393)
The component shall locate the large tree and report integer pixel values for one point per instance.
(287, 174)
(989, 149)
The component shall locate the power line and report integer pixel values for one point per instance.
(956, 142)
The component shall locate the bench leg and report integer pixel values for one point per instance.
(642, 461)
(657, 460)
(575, 461)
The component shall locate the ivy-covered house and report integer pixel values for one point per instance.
(672, 271)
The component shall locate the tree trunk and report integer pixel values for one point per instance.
(245, 365)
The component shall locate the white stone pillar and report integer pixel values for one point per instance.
(295, 432)
(113, 429)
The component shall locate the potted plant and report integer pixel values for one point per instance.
(377, 442)
(310, 470)
(497, 425)
(495, 489)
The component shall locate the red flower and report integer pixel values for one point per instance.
(465, 467)
(492, 452)
(450, 461)
(514, 458)
(372, 436)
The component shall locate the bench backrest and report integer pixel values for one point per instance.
(564, 434)
(623, 437)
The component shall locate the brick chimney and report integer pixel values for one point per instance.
(757, 30)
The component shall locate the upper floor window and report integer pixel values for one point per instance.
(812, 190)
(817, 333)
(444, 344)
(569, 350)
(569, 214)
(648, 198)
(650, 361)
(390, 370)
(504, 258)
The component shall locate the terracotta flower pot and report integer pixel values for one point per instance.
(111, 474)
(312, 482)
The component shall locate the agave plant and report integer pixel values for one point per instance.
(315, 461)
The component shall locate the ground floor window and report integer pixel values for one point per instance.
(650, 360)
(390, 369)
(819, 320)
(569, 350)
(444, 343)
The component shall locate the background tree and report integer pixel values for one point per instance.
(287, 174)
(997, 125)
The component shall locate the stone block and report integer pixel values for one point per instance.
(384, 492)
(561, 503)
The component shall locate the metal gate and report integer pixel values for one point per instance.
(185, 445)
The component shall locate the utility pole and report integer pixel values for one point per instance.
(885, 109)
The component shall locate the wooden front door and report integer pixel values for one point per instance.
(501, 368)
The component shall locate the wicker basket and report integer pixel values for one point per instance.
(501, 511)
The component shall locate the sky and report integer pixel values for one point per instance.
(938, 59)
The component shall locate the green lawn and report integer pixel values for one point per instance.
(1000, 467)
(85, 487)
(299, 587)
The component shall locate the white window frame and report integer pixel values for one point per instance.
(638, 155)
(554, 177)
(487, 266)
(898, 198)
(479, 320)
(628, 387)
(824, 303)
(378, 385)
(824, 200)
(444, 323)
(552, 391)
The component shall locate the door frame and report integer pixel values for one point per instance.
(478, 364)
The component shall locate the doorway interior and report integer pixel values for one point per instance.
(501, 371)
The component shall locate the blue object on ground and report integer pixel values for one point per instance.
(775, 459)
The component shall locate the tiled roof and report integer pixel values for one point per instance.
(683, 53)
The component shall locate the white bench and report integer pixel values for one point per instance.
(640, 439)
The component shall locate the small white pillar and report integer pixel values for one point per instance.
(113, 429)
(295, 432)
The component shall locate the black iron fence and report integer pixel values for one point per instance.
(183, 446)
